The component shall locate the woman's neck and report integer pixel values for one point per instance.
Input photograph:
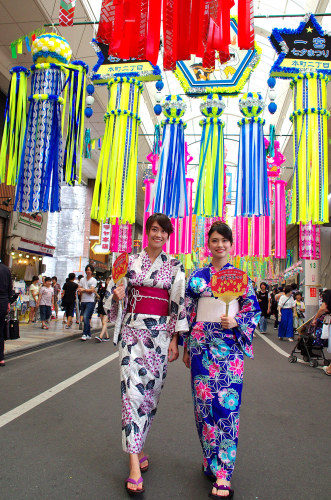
(219, 263)
(153, 253)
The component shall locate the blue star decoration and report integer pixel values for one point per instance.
(303, 50)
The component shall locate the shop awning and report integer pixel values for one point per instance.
(35, 247)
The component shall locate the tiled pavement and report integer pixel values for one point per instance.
(32, 335)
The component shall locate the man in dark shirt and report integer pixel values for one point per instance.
(69, 298)
(264, 302)
(6, 290)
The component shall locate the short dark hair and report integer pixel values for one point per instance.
(47, 278)
(162, 220)
(71, 276)
(326, 298)
(298, 293)
(80, 277)
(54, 278)
(263, 283)
(294, 286)
(222, 229)
(89, 266)
(35, 278)
(288, 289)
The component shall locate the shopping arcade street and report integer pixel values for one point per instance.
(69, 445)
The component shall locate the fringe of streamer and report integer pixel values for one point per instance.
(14, 126)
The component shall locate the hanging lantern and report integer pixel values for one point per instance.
(310, 241)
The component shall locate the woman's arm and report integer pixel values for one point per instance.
(322, 310)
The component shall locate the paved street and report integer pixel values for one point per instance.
(63, 441)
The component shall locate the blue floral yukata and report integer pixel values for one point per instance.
(217, 366)
(144, 341)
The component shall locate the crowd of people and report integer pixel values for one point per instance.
(154, 310)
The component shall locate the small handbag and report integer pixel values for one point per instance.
(12, 329)
(326, 328)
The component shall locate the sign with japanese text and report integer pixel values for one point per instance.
(313, 292)
(229, 284)
(306, 49)
(120, 267)
(102, 247)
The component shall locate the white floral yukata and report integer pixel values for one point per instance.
(144, 341)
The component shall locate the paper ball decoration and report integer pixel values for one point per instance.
(271, 82)
(272, 94)
(89, 100)
(157, 109)
(173, 106)
(159, 85)
(90, 89)
(158, 97)
(251, 104)
(272, 108)
(213, 106)
(51, 48)
(88, 112)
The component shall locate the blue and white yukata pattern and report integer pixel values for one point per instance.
(217, 366)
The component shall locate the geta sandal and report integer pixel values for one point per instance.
(133, 481)
(224, 488)
(144, 469)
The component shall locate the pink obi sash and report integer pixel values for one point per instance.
(148, 300)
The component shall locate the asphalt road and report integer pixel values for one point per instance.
(68, 445)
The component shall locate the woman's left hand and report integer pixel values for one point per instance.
(173, 350)
(228, 322)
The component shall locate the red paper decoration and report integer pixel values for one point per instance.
(66, 13)
(131, 28)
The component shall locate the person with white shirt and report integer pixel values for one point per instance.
(87, 291)
(286, 307)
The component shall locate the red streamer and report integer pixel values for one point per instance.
(246, 24)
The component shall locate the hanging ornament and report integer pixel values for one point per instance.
(209, 200)
(310, 241)
(252, 186)
(170, 192)
(115, 185)
(38, 170)
(67, 12)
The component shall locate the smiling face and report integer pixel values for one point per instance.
(157, 237)
(219, 245)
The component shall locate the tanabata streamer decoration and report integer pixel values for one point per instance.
(252, 185)
(170, 193)
(310, 144)
(131, 28)
(209, 200)
(304, 56)
(121, 237)
(15, 126)
(310, 241)
(115, 185)
(39, 155)
(67, 12)
(280, 219)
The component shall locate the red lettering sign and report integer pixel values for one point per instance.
(313, 292)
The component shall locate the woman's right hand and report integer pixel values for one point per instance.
(186, 358)
(119, 293)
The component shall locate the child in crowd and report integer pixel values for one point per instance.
(45, 302)
(299, 311)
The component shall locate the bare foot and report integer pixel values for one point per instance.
(145, 462)
(134, 473)
(221, 493)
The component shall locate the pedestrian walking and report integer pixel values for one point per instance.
(274, 306)
(299, 311)
(104, 335)
(33, 298)
(264, 302)
(69, 298)
(153, 315)
(6, 291)
(57, 290)
(214, 350)
(286, 307)
(87, 290)
(45, 302)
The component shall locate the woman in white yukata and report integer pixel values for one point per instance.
(153, 315)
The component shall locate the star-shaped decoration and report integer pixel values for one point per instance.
(305, 49)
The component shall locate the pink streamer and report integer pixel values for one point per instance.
(280, 220)
(148, 191)
(186, 233)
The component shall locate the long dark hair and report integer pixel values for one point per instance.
(326, 297)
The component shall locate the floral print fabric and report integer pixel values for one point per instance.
(144, 342)
(217, 366)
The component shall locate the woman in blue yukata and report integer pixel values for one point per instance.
(214, 349)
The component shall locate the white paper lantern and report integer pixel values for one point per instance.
(272, 94)
(158, 97)
(89, 100)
